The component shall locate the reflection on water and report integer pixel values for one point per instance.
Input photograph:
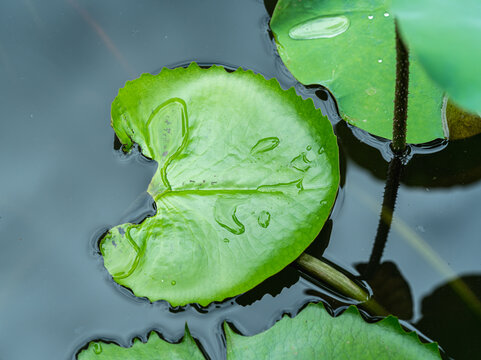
(447, 319)
(62, 184)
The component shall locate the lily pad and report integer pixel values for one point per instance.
(444, 35)
(349, 47)
(155, 348)
(247, 175)
(313, 334)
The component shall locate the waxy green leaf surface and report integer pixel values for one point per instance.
(349, 47)
(313, 334)
(445, 36)
(154, 349)
(247, 175)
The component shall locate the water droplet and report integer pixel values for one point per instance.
(371, 91)
(121, 253)
(97, 348)
(386, 14)
(266, 144)
(173, 282)
(225, 215)
(301, 162)
(308, 147)
(379, 61)
(370, 17)
(323, 203)
(168, 122)
(320, 28)
(264, 219)
(320, 151)
(226, 240)
(292, 188)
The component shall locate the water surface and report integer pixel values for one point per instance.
(63, 183)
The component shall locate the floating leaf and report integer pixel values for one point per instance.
(247, 175)
(155, 348)
(349, 47)
(313, 334)
(445, 37)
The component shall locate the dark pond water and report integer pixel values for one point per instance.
(62, 184)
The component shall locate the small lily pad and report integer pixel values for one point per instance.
(247, 175)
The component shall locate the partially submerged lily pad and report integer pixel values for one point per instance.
(247, 175)
(155, 348)
(461, 124)
(349, 47)
(313, 334)
(445, 37)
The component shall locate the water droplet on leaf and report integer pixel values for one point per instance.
(266, 144)
(264, 219)
(293, 187)
(173, 282)
(301, 162)
(323, 27)
(97, 348)
(225, 215)
(124, 248)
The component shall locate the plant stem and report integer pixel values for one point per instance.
(332, 276)
(401, 95)
(329, 274)
(398, 146)
(388, 205)
(325, 272)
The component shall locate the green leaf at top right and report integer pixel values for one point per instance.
(349, 47)
(445, 36)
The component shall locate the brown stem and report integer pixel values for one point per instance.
(398, 146)
(388, 205)
(401, 95)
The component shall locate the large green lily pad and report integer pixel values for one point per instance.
(247, 175)
(349, 47)
(445, 37)
(313, 334)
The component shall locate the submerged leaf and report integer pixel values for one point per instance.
(312, 334)
(461, 124)
(445, 37)
(247, 175)
(349, 47)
